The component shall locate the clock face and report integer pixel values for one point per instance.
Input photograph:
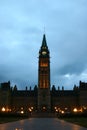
(44, 52)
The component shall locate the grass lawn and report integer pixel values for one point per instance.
(82, 121)
(10, 119)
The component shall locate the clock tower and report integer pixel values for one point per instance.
(44, 77)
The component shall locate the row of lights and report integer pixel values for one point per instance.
(30, 110)
(75, 110)
(3, 109)
(58, 110)
(80, 110)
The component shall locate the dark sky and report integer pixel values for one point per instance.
(22, 25)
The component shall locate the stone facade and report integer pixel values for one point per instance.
(16, 100)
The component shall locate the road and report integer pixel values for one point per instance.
(40, 124)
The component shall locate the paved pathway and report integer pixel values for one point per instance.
(40, 124)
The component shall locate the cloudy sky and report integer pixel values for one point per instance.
(22, 25)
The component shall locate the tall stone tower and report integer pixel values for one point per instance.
(44, 77)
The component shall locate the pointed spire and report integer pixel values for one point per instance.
(44, 44)
(44, 51)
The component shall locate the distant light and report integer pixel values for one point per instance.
(56, 110)
(84, 107)
(3, 109)
(75, 110)
(30, 109)
(62, 112)
(44, 108)
(22, 112)
(21, 108)
(55, 107)
(66, 108)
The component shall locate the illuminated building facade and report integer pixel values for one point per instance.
(43, 97)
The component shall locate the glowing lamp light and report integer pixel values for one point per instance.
(30, 109)
(55, 108)
(62, 112)
(22, 112)
(44, 108)
(3, 109)
(84, 107)
(75, 110)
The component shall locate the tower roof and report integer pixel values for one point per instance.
(44, 51)
(44, 44)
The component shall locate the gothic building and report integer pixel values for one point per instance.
(43, 97)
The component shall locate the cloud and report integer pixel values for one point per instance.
(21, 30)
